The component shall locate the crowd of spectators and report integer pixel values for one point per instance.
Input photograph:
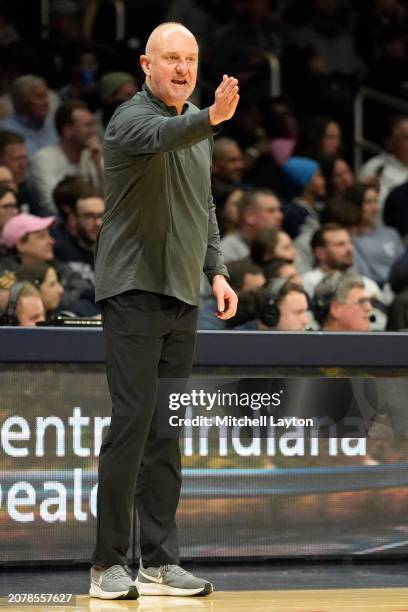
(309, 240)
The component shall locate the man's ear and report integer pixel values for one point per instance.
(145, 64)
(334, 309)
(20, 246)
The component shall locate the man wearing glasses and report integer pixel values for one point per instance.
(341, 303)
(81, 210)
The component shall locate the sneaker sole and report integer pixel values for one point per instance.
(96, 591)
(152, 588)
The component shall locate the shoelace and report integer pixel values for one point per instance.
(172, 567)
(116, 571)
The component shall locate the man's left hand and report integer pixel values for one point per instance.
(227, 299)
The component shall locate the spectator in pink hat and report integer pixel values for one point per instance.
(29, 236)
(28, 241)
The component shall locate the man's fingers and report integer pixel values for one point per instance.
(226, 84)
(220, 304)
(231, 95)
(231, 302)
(229, 86)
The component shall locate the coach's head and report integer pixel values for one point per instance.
(170, 64)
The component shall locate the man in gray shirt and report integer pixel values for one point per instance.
(158, 233)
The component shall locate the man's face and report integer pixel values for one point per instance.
(267, 212)
(317, 185)
(37, 246)
(36, 104)
(88, 216)
(171, 66)
(293, 312)
(82, 128)
(229, 164)
(342, 176)
(16, 159)
(30, 311)
(352, 314)
(337, 254)
(8, 208)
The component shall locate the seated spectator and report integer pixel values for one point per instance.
(30, 99)
(114, 89)
(341, 303)
(227, 210)
(308, 187)
(78, 152)
(391, 165)
(269, 245)
(28, 241)
(282, 268)
(81, 211)
(20, 303)
(227, 165)
(281, 305)
(396, 210)
(333, 252)
(378, 246)
(13, 155)
(257, 210)
(45, 278)
(8, 206)
(245, 276)
(320, 138)
(338, 176)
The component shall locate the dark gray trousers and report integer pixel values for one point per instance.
(147, 336)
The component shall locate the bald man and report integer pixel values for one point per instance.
(158, 234)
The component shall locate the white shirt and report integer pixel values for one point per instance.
(50, 165)
(233, 247)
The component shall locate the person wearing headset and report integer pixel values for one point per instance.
(281, 305)
(20, 303)
(341, 303)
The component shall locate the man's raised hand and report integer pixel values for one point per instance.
(226, 100)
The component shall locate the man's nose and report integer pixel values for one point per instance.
(182, 67)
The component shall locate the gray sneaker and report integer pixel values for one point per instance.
(170, 580)
(112, 583)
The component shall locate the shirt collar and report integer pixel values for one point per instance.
(170, 109)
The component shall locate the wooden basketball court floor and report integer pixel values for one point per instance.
(336, 600)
